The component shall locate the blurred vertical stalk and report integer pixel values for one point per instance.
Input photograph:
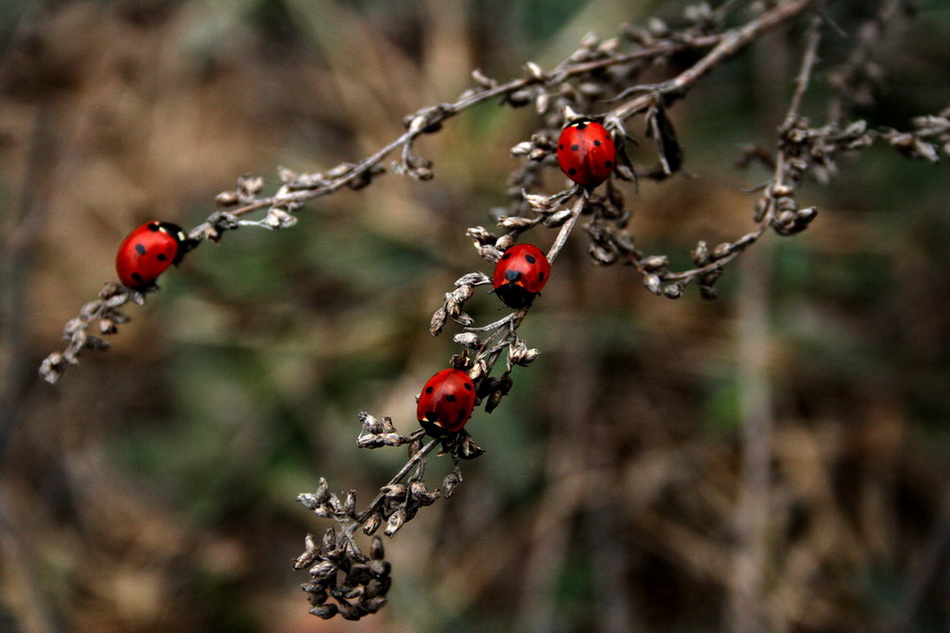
(748, 612)
(16, 368)
(747, 600)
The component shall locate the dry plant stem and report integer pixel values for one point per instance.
(298, 190)
(418, 458)
(729, 44)
(562, 236)
(779, 177)
(292, 195)
(869, 38)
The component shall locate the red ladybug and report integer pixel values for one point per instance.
(446, 402)
(520, 275)
(586, 153)
(148, 251)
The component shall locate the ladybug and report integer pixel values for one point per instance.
(148, 251)
(446, 402)
(520, 275)
(586, 153)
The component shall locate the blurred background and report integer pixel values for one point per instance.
(777, 459)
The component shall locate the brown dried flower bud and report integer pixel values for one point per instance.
(376, 550)
(469, 340)
(396, 521)
(226, 199)
(655, 262)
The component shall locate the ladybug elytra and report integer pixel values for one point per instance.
(446, 402)
(520, 275)
(586, 153)
(148, 251)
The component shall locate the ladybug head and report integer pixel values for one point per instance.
(514, 295)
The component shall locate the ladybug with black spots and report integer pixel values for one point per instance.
(586, 153)
(148, 251)
(520, 275)
(446, 402)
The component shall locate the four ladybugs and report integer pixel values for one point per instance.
(586, 153)
(148, 251)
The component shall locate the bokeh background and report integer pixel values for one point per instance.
(154, 488)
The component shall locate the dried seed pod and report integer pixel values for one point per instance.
(323, 569)
(483, 80)
(522, 149)
(467, 448)
(450, 482)
(655, 263)
(473, 279)
(226, 199)
(489, 253)
(394, 492)
(535, 71)
(469, 340)
(348, 611)
(515, 222)
(396, 521)
(653, 283)
(721, 250)
(250, 185)
(779, 190)
(538, 154)
(701, 253)
(601, 254)
(556, 219)
(438, 321)
(349, 504)
(372, 524)
(372, 605)
(370, 423)
(107, 326)
(505, 242)
(806, 215)
(376, 550)
(421, 493)
(324, 611)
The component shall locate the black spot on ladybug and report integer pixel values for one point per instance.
(531, 259)
(512, 275)
(430, 389)
(137, 277)
(575, 147)
(450, 397)
(468, 386)
(597, 143)
(571, 171)
(541, 276)
(139, 249)
(609, 163)
(162, 257)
